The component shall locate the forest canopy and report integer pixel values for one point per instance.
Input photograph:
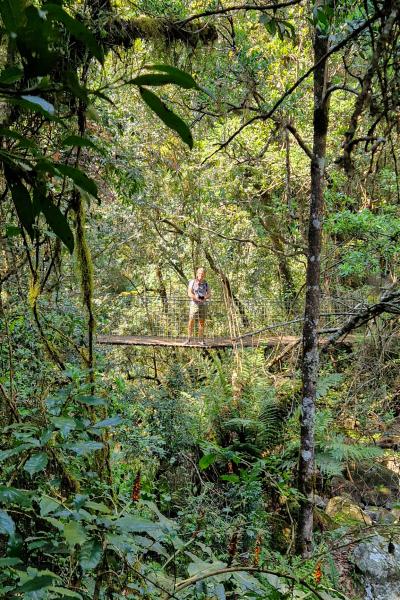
(255, 453)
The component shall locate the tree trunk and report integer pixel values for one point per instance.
(312, 304)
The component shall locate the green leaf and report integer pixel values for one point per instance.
(57, 222)
(5, 454)
(13, 14)
(77, 29)
(12, 231)
(14, 135)
(177, 76)
(46, 107)
(10, 561)
(74, 534)
(10, 495)
(80, 142)
(22, 201)
(84, 448)
(79, 178)
(64, 592)
(99, 506)
(158, 79)
(36, 463)
(7, 525)
(232, 478)
(64, 424)
(90, 554)
(71, 80)
(10, 75)
(167, 116)
(92, 400)
(131, 524)
(38, 582)
(111, 422)
(206, 461)
(48, 505)
(154, 79)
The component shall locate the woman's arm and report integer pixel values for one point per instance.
(190, 291)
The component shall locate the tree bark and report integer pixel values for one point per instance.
(310, 361)
(122, 33)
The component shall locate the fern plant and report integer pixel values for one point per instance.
(334, 451)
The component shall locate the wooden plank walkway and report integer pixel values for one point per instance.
(220, 342)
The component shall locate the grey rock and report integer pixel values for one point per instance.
(380, 568)
(319, 501)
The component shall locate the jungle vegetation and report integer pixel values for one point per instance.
(139, 141)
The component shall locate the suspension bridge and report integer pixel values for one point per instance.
(157, 320)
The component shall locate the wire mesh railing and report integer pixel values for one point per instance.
(167, 316)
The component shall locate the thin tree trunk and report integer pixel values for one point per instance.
(312, 305)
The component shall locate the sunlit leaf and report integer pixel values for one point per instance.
(206, 461)
(167, 116)
(7, 525)
(43, 104)
(74, 533)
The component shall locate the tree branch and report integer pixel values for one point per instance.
(192, 580)
(268, 115)
(246, 7)
(389, 302)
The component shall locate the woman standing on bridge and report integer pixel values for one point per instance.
(198, 292)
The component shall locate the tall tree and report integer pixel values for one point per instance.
(312, 302)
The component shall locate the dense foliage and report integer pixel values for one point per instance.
(139, 141)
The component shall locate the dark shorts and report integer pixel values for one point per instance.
(197, 310)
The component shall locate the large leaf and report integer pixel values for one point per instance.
(180, 77)
(132, 524)
(169, 75)
(64, 424)
(207, 460)
(39, 103)
(92, 400)
(14, 135)
(74, 533)
(81, 142)
(35, 583)
(22, 201)
(13, 14)
(111, 422)
(90, 555)
(167, 116)
(11, 495)
(10, 75)
(48, 505)
(9, 561)
(79, 178)
(5, 454)
(7, 525)
(57, 222)
(84, 448)
(36, 463)
(64, 593)
(76, 28)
